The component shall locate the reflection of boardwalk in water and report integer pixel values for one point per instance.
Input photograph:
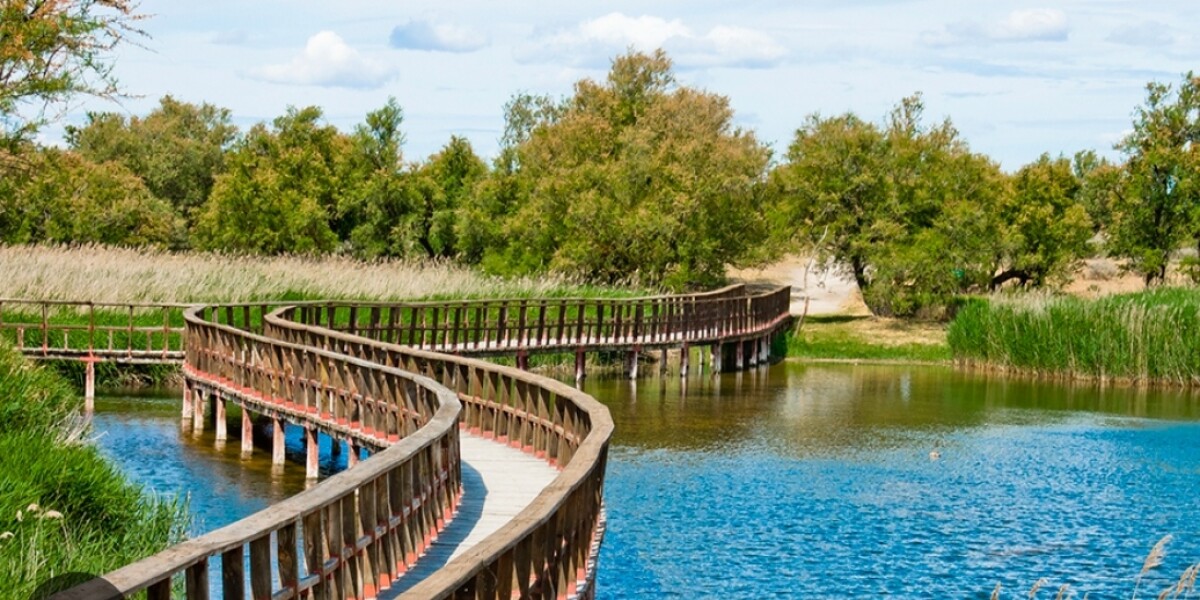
(498, 482)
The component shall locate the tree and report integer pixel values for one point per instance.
(436, 191)
(376, 197)
(634, 177)
(1047, 229)
(905, 208)
(178, 149)
(66, 198)
(51, 50)
(281, 191)
(1160, 207)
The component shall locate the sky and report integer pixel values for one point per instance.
(1017, 79)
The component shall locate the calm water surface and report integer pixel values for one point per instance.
(817, 482)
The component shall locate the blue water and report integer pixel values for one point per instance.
(817, 482)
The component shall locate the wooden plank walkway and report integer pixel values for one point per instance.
(499, 481)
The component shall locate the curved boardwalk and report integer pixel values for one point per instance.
(484, 481)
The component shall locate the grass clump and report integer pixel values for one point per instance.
(1143, 337)
(63, 507)
(866, 338)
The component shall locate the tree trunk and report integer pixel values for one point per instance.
(1009, 275)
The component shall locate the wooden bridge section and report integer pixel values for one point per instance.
(418, 519)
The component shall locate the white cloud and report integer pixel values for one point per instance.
(1032, 25)
(1146, 33)
(592, 43)
(328, 61)
(440, 37)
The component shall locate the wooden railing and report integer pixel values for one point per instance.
(130, 332)
(548, 551)
(361, 368)
(502, 326)
(353, 532)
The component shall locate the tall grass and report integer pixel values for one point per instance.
(1144, 337)
(63, 507)
(106, 274)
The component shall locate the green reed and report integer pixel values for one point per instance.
(1144, 337)
(63, 507)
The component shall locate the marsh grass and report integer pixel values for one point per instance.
(1144, 337)
(63, 507)
(107, 274)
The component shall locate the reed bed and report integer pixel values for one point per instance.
(1144, 337)
(109, 274)
(63, 507)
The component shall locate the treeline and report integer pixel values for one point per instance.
(633, 177)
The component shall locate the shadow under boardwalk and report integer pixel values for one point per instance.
(498, 483)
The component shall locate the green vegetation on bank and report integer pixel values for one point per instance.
(846, 338)
(1144, 337)
(63, 507)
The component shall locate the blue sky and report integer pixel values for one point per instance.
(1017, 79)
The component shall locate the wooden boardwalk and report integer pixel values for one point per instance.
(498, 483)
(440, 510)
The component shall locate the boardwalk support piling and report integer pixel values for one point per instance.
(277, 441)
(312, 465)
(633, 363)
(222, 428)
(684, 359)
(197, 411)
(247, 433)
(89, 386)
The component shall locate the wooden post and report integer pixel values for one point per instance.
(633, 363)
(312, 465)
(523, 360)
(89, 386)
(222, 432)
(662, 364)
(580, 364)
(739, 360)
(352, 454)
(198, 411)
(247, 433)
(187, 402)
(685, 357)
(277, 441)
(716, 356)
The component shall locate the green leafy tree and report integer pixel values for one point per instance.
(436, 191)
(178, 149)
(483, 213)
(1047, 228)
(66, 198)
(905, 208)
(281, 190)
(1160, 208)
(1101, 185)
(51, 50)
(635, 177)
(376, 198)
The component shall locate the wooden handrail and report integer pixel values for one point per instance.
(318, 362)
(383, 507)
(552, 420)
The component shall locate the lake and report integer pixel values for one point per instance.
(804, 480)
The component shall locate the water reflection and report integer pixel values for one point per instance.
(142, 434)
(816, 481)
